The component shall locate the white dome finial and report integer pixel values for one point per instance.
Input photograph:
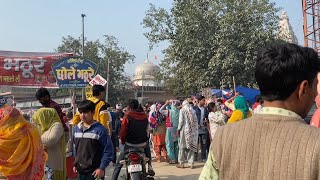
(147, 60)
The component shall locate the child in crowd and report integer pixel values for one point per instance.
(94, 149)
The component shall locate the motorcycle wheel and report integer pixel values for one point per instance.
(136, 176)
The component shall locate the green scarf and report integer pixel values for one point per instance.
(240, 103)
(174, 116)
(44, 118)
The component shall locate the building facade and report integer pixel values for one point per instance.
(148, 87)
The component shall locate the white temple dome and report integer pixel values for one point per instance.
(146, 69)
(146, 75)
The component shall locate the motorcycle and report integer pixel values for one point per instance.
(135, 161)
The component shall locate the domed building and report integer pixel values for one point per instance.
(145, 75)
(148, 87)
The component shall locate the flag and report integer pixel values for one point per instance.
(155, 57)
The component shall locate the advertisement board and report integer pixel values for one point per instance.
(74, 72)
(19, 69)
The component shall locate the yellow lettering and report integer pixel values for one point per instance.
(6, 78)
(17, 79)
(11, 79)
(71, 73)
(62, 73)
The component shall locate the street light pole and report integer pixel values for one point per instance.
(82, 16)
(108, 75)
(108, 80)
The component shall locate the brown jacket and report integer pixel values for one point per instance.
(267, 147)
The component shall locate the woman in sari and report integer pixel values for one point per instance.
(52, 136)
(22, 154)
(241, 110)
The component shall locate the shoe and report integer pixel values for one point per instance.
(191, 167)
(203, 160)
(172, 162)
(151, 171)
(180, 166)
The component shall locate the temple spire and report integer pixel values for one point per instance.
(285, 32)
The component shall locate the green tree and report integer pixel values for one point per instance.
(120, 85)
(210, 41)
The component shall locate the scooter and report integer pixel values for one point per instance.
(135, 161)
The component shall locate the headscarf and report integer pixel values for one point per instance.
(174, 114)
(22, 154)
(155, 117)
(240, 103)
(153, 109)
(44, 118)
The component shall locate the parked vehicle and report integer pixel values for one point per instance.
(135, 161)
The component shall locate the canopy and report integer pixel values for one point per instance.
(248, 93)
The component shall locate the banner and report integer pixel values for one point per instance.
(28, 69)
(74, 72)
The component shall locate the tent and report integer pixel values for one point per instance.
(248, 93)
(216, 92)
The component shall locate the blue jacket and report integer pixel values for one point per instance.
(202, 130)
(93, 147)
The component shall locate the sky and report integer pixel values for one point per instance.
(37, 25)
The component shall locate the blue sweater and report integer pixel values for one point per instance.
(93, 147)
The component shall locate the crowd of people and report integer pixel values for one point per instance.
(268, 140)
(275, 142)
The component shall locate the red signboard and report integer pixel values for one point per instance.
(28, 69)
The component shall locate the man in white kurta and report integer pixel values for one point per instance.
(188, 133)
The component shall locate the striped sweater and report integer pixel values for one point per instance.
(267, 147)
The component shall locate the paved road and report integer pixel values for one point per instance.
(167, 171)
